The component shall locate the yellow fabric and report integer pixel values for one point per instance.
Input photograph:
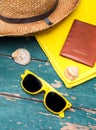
(52, 40)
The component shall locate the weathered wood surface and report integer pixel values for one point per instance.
(21, 111)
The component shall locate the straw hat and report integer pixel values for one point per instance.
(19, 17)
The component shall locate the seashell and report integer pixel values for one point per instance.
(21, 56)
(71, 72)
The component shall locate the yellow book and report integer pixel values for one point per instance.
(52, 40)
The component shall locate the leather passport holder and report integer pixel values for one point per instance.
(80, 44)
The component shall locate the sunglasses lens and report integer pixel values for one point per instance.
(31, 83)
(55, 102)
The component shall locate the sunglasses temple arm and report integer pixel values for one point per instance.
(22, 76)
(26, 72)
(61, 115)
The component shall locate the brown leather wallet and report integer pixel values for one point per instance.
(80, 44)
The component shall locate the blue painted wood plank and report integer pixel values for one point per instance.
(81, 96)
(25, 114)
(10, 44)
(19, 110)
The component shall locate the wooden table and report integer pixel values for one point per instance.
(21, 111)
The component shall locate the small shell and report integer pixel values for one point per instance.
(21, 56)
(71, 72)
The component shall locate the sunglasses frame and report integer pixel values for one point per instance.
(46, 88)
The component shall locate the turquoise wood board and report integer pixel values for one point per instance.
(21, 111)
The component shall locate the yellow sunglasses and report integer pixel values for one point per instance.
(53, 100)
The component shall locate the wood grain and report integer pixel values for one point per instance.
(21, 111)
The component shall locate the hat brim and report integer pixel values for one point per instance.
(64, 8)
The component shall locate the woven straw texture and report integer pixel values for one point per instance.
(27, 8)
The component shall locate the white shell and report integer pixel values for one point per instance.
(21, 56)
(71, 72)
